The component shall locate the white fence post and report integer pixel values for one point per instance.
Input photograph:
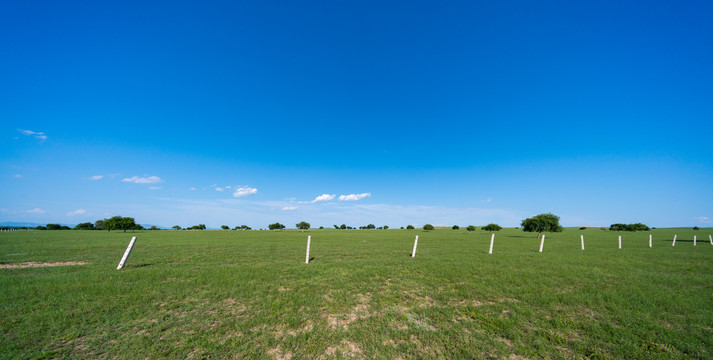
(711, 238)
(674, 240)
(126, 253)
(309, 239)
(694, 240)
(542, 243)
(582, 237)
(619, 241)
(492, 239)
(415, 243)
(651, 239)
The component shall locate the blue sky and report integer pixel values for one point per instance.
(180, 113)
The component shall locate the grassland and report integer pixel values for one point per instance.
(248, 294)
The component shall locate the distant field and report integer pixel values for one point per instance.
(248, 294)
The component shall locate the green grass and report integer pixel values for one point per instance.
(248, 294)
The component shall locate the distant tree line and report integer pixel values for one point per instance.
(629, 227)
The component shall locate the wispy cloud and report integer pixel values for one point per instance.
(18, 176)
(353, 197)
(244, 191)
(37, 135)
(703, 220)
(192, 188)
(288, 208)
(96, 177)
(486, 200)
(219, 189)
(143, 180)
(156, 187)
(36, 211)
(324, 197)
(77, 212)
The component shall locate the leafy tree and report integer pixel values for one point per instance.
(197, 227)
(428, 227)
(225, 227)
(177, 227)
(629, 227)
(402, 228)
(409, 227)
(618, 227)
(455, 227)
(386, 227)
(276, 226)
(120, 223)
(303, 225)
(336, 227)
(153, 227)
(99, 224)
(583, 228)
(343, 226)
(492, 227)
(471, 228)
(56, 227)
(321, 227)
(696, 228)
(370, 227)
(41, 227)
(84, 226)
(542, 223)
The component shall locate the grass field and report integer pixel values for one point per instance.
(248, 294)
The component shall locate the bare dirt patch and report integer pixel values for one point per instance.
(37, 265)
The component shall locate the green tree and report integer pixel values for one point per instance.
(542, 223)
(409, 227)
(276, 226)
(177, 227)
(84, 226)
(343, 226)
(386, 227)
(225, 227)
(455, 227)
(120, 223)
(428, 227)
(696, 228)
(336, 227)
(303, 225)
(492, 227)
(471, 228)
(153, 227)
(54, 227)
(99, 224)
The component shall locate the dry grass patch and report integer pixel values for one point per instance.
(38, 265)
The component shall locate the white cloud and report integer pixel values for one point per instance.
(96, 177)
(353, 197)
(37, 135)
(324, 197)
(486, 200)
(219, 189)
(36, 211)
(76, 212)
(244, 191)
(288, 208)
(156, 187)
(18, 176)
(143, 180)
(192, 188)
(704, 220)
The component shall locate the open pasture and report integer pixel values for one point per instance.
(249, 294)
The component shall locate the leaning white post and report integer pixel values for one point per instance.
(542, 243)
(415, 243)
(492, 239)
(711, 238)
(619, 241)
(674, 240)
(650, 240)
(126, 253)
(694, 240)
(582, 237)
(309, 238)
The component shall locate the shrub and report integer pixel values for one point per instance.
(471, 228)
(492, 227)
(456, 227)
(428, 227)
(696, 228)
(583, 228)
(409, 227)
